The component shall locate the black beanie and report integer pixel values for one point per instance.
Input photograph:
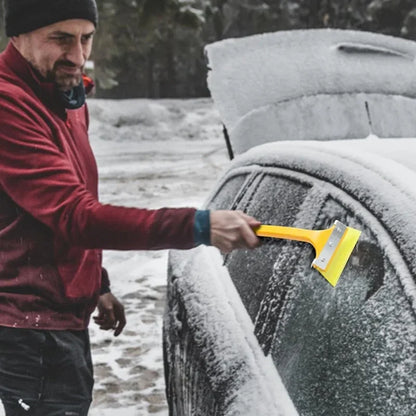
(22, 16)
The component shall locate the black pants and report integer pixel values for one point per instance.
(45, 373)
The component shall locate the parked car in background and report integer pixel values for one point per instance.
(261, 332)
(313, 85)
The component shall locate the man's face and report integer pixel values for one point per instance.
(59, 51)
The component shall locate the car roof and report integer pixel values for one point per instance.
(380, 174)
(319, 84)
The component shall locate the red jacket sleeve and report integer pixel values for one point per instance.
(41, 180)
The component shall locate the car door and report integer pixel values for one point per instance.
(343, 351)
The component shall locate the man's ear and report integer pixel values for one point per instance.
(16, 41)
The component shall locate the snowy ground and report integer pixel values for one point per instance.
(150, 154)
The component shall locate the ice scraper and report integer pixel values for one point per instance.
(333, 246)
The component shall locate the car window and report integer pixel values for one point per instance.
(228, 192)
(273, 200)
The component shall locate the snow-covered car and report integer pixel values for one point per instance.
(262, 333)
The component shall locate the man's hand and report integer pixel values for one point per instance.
(233, 229)
(110, 314)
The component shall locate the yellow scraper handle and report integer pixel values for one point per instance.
(332, 263)
(317, 238)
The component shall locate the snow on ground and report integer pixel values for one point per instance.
(150, 154)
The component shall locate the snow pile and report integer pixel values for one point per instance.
(313, 84)
(153, 120)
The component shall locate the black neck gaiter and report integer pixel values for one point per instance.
(74, 98)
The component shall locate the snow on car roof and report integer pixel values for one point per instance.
(313, 84)
(380, 174)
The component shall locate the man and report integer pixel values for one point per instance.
(52, 227)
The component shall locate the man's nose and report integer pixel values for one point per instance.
(76, 54)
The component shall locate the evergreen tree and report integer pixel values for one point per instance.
(143, 46)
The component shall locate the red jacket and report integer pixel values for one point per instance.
(52, 227)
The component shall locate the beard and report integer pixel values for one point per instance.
(65, 75)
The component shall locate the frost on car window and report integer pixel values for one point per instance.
(228, 192)
(344, 350)
(275, 200)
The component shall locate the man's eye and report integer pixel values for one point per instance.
(61, 39)
(86, 38)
